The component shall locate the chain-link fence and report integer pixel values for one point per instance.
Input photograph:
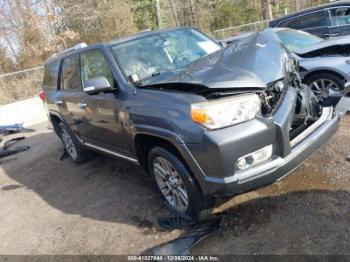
(20, 85)
(230, 31)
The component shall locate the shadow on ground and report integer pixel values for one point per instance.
(105, 189)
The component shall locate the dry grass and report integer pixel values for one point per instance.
(20, 86)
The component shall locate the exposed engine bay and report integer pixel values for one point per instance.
(307, 109)
(336, 50)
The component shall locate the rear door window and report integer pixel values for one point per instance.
(340, 16)
(70, 79)
(94, 64)
(313, 20)
(51, 75)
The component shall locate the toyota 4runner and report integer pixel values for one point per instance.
(203, 119)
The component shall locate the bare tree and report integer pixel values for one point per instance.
(158, 14)
(267, 9)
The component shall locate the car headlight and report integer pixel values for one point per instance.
(226, 112)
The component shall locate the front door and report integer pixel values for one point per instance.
(103, 122)
(340, 21)
(70, 93)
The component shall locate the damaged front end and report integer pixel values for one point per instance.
(308, 108)
(247, 119)
(259, 65)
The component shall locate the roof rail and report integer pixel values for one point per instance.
(74, 48)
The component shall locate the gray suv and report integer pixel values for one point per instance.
(328, 20)
(204, 120)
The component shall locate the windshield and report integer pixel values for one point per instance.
(165, 51)
(295, 40)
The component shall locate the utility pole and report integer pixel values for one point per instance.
(158, 14)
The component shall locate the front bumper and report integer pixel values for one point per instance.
(213, 166)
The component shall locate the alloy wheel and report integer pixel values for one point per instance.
(170, 184)
(324, 87)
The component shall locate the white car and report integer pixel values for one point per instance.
(324, 65)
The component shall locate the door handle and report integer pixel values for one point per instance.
(332, 35)
(82, 105)
(58, 102)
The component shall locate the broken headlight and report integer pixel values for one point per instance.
(226, 112)
(277, 86)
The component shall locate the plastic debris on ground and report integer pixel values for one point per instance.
(7, 151)
(194, 233)
(12, 129)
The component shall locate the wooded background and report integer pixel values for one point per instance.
(32, 30)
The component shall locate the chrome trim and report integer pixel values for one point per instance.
(326, 115)
(58, 102)
(107, 151)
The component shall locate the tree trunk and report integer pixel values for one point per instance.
(194, 16)
(158, 14)
(173, 11)
(267, 9)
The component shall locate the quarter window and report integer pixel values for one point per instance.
(317, 19)
(340, 16)
(70, 74)
(93, 64)
(51, 75)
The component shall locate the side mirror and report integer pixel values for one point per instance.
(97, 85)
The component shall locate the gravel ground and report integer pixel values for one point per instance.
(108, 206)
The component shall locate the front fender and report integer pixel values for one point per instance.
(177, 142)
(159, 132)
(336, 66)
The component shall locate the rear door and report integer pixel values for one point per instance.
(50, 85)
(317, 23)
(340, 21)
(102, 124)
(70, 93)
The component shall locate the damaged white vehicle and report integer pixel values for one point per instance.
(324, 65)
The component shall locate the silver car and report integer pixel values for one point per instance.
(324, 65)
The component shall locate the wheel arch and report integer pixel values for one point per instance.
(144, 142)
(324, 71)
(55, 120)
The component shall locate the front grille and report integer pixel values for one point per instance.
(297, 131)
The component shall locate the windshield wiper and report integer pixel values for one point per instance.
(140, 82)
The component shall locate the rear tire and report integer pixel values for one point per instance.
(325, 84)
(176, 185)
(75, 150)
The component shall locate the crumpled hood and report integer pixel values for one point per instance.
(251, 63)
(334, 41)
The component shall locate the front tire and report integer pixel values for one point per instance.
(325, 84)
(176, 185)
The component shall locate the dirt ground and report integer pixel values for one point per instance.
(108, 206)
